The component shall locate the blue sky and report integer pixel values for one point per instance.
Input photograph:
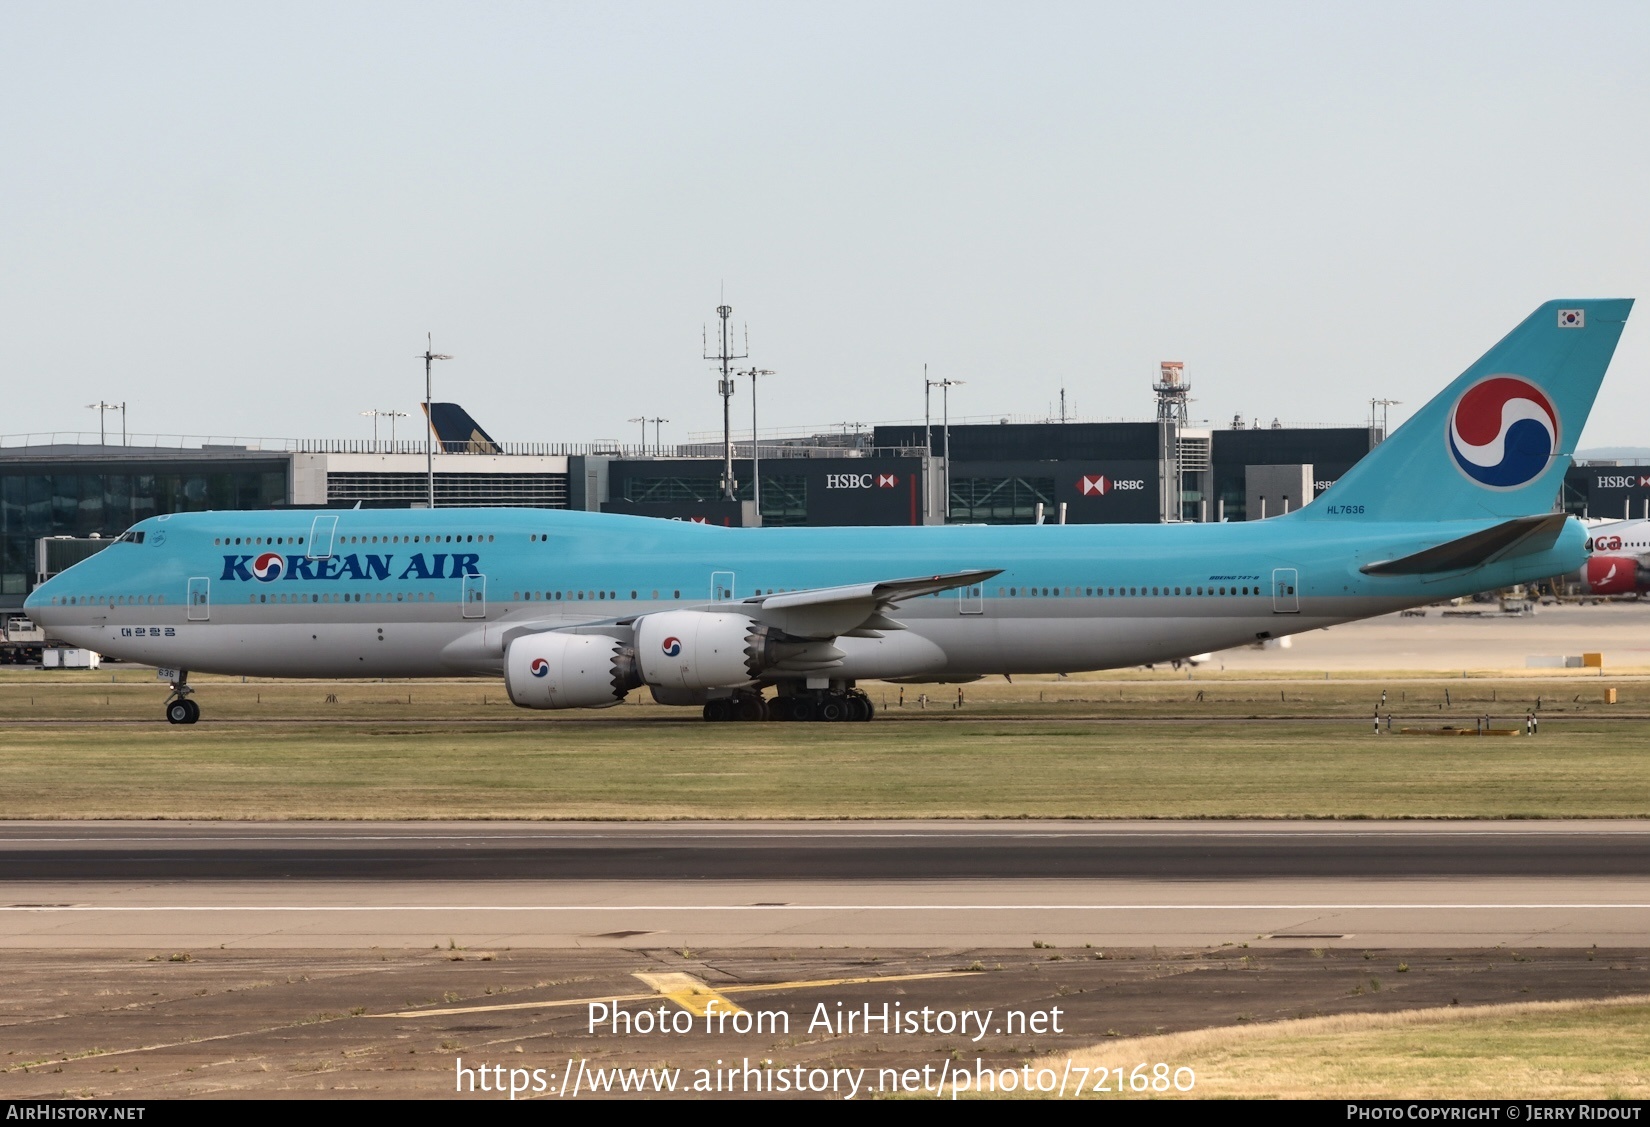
(242, 219)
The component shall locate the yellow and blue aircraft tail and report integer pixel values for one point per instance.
(1497, 441)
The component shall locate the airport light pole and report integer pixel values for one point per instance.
(374, 413)
(658, 445)
(927, 446)
(945, 387)
(102, 410)
(927, 423)
(1383, 404)
(643, 421)
(391, 416)
(945, 401)
(429, 417)
(756, 472)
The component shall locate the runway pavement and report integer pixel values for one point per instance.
(813, 851)
(140, 886)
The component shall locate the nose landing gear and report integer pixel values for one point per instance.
(182, 711)
(179, 708)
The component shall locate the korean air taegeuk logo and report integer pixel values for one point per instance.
(1503, 432)
(268, 567)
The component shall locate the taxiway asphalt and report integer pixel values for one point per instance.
(873, 884)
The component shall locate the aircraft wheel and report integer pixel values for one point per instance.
(719, 710)
(194, 711)
(802, 709)
(753, 708)
(179, 712)
(863, 708)
(833, 710)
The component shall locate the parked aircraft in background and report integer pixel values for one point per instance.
(1618, 559)
(578, 609)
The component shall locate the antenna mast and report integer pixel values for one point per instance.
(726, 356)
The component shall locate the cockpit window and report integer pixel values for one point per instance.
(135, 536)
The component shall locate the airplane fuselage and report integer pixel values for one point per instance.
(418, 593)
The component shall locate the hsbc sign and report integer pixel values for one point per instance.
(861, 480)
(1098, 485)
(1622, 481)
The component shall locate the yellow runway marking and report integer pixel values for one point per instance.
(688, 992)
(740, 988)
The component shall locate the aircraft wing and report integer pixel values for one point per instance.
(859, 608)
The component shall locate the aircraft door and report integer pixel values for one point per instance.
(971, 599)
(721, 586)
(320, 537)
(1285, 588)
(200, 599)
(474, 596)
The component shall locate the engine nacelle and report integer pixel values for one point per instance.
(554, 670)
(694, 650)
(1611, 575)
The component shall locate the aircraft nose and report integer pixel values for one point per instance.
(38, 605)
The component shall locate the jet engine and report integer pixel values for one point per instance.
(1613, 575)
(554, 670)
(694, 650)
(690, 650)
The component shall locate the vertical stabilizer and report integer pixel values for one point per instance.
(458, 433)
(1497, 441)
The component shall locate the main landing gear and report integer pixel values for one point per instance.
(179, 708)
(812, 704)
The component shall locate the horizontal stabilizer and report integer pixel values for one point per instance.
(1522, 536)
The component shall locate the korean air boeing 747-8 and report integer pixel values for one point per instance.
(578, 609)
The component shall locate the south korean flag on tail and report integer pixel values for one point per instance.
(1572, 318)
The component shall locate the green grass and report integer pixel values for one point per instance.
(133, 694)
(1544, 1050)
(393, 760)
(91, 744)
